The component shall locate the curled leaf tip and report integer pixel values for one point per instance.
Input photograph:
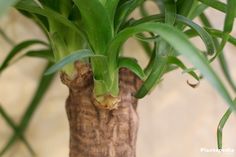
(193, 85)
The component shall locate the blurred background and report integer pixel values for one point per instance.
(175, 119)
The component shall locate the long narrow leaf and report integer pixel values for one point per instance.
(147, 47)
(11, 123)
(156, 68)
(181, 44)
(201, 32)
(228, 26)
(225, 69)
(198, 10)
(230, 15)
(153, 78)
(184, 7)
(180, 64)
(43, 86)
(61, 6)
(9, 144)
(183, 20)
(218, 5)
(222, 60)
(220, 34)
(170, 12)
(6, 38)
(220, 48)
(220, 127)
(32, 7)
(77, 55)
(124, 10)
(143, 10)
(132, 65)
(41, 53)
(17, 49)
(97, 23)
(111, 6)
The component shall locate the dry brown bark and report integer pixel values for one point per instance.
(98, 132)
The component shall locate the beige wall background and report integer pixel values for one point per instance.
(175, 120)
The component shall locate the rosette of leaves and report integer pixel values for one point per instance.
(93, 32)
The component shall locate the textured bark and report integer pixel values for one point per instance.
(98, 132)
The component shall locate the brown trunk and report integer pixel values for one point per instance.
(98, 132)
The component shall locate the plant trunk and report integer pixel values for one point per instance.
(99, 132)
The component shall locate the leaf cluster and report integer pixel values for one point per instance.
(95, 31)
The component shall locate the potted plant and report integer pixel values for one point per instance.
(85, 40)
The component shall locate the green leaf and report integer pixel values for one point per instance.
(43, 86)
(222, 60)
(156, 68)
(221, 34)
(41, 21)
(151, 18)
(190, 33)
(225, 69)
(11, 123)
(184, 7)
(152, 59)
(77, 55)
(100, 74)
(146, 47)
(181, 44)
(204, 20)
(61, 6)
(5, 4)
(228, 26)
(33, 8)
(197, 10)
(97, 24)
(220, 48)
(230, 15)
(111, 6)
(183, 20)
(59, 46)
(143, 37)
(160, 4)
(206, 38)
(9, 144)
(132, 65)
(123, 11)
(221, 125)
(143, 10)
(229, 9)
(218, 5)
(153, 78)
(180, 64)
(144, 42)
(6, 38)
(170, 12)
(41, 53)
(17, 49)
